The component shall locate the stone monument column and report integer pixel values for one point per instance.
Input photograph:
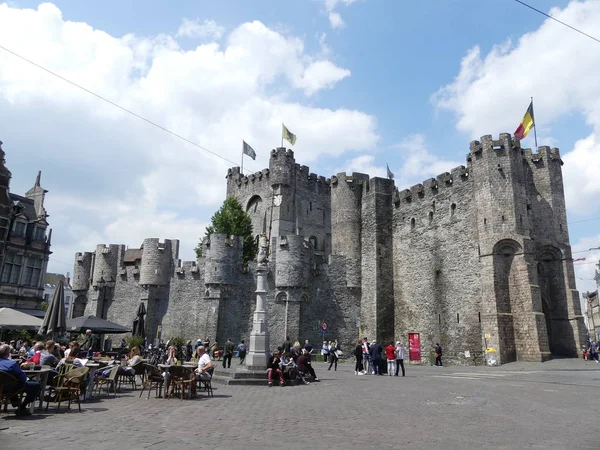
(258, 353)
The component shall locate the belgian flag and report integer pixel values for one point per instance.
(526, 123)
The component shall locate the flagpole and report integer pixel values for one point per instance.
(282, 134)
(242, 170)
(534, 126)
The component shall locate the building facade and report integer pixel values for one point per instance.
(24, 243)
(475, 258)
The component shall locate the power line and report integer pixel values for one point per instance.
(116, 105)
(581, 221)
(556, 20)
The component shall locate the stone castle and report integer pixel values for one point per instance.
(475, 258)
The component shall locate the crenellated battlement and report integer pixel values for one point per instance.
(432, 186)
(487, 144)
(544, 154)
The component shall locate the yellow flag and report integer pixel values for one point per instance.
(288, 135)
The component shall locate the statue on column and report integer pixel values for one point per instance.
(263, 248)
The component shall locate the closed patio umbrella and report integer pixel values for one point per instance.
(139, 326)
(55, 321)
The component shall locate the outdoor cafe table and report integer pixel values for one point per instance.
(93, 367)
(41, 376)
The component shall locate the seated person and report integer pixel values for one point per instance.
(72, 359)
(171, 360)
(72, 345)
(205, 365)
(47, 356)
(134, 358)
(290, 369)
(12, 367)
(304, 365)
(273, 369)
(37, 353)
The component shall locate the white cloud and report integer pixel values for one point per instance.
(336, 21)
(335, 18)
(114, 178)
(208, 29)
(491, 92)
(319, 75)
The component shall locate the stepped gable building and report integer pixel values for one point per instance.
(24, 244)
(475, 258)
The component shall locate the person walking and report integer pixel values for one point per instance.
(390, 355)
(366, 357)
(325, 351)
(333, 357)
(228, 353)
(242, 351)
(358, 357)
(438, 354)
(400, 354)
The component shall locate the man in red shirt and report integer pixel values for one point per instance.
(390, 354)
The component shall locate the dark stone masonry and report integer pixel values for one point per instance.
(477, 257)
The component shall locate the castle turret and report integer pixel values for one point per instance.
(223, 259)
(346, 194)
(282, 173)
(293, 261)
(377, 260)
(82, 272)
(107, 261)
(157, 261)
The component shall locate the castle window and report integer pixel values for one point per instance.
(452, 209)
(502, 218)
(433, 205)
(313, 242)
(479, 314)
(412, 223)
(485, 221)
(430, 216)
(253, 204)
(520, 218)
(560, 226)
(457, 318)
(440, 319)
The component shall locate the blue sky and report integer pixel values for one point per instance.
(358, 95)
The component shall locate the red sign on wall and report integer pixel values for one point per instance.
(414, 347)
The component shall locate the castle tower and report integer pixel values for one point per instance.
(37, 193)
(346, 196)
(282, 174)
(512, 314)
(377, 302)
(106, 262)
(222, 268)
(556, 277)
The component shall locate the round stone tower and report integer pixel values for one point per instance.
(293, 261)
(82, 271)
(223, 259)
(346, 194)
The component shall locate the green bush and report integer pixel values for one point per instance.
(134, 341)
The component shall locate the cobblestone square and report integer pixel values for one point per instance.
(516, 406)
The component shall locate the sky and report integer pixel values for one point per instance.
(362, 83)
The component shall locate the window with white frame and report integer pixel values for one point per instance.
(33, 271)
(19, 229)
(12, 268)
(39, 233)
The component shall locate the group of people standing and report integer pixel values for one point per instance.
(369, 358)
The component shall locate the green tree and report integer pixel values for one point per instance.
(231, 220)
